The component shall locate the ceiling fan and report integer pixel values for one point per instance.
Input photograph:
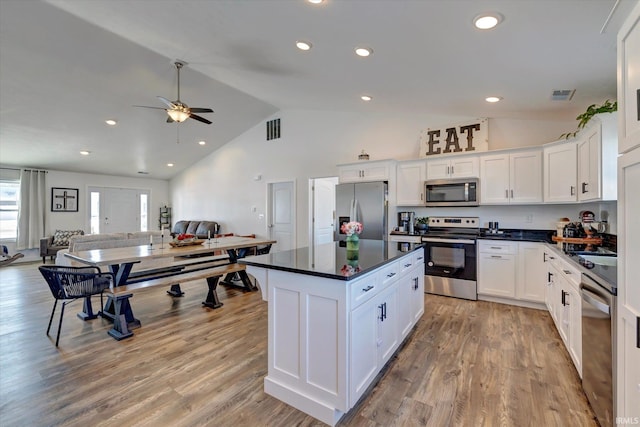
(177, 110)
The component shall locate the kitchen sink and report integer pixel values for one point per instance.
(611, 261)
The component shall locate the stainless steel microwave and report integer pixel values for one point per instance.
(452, 192)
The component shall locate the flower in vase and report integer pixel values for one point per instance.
(351, 228)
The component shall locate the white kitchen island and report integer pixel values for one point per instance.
(333, 323)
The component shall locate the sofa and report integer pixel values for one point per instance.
(49, 246)
(200, 229)
(112, 240)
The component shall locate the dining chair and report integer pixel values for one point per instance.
(72, 283)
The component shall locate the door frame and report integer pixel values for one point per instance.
(312, 203)
(92, 187)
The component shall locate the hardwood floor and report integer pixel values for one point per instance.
(466, 364)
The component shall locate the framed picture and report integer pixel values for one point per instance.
(64, 199)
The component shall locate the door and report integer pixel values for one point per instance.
(282, 215)
(118, 210)
(324, 209)
(560, 173)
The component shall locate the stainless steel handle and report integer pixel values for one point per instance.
(437, 240)
(595, 300)
(466, 191)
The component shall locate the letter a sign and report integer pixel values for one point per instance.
(462, 138)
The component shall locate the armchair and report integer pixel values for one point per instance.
(72, 283)
(49, 246)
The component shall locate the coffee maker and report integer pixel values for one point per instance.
(406, 221)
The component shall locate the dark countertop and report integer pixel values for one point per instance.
(597, 272)
(330, 260)
(519, 235)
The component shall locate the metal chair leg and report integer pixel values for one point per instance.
(55, 302)
(60, 323)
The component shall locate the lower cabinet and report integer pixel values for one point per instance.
(512, 270)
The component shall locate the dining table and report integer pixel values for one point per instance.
(120, 261)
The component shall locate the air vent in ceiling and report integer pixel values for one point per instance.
(562, 94)
(273, 129)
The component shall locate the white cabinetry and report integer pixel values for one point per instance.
(560, 173)
(628, 84)
(511, 178)
(365, 171)
(457, 167)
(597, 159)
(410, 182)
(411, 293)
(497, 268)
(511, 270)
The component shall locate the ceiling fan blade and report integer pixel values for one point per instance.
(146, 106)
(200, 110)
(200, 119)
(167, 102)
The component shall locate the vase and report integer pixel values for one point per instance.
(353, 246)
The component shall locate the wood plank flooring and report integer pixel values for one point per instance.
(466, 364)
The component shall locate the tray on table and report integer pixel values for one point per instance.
(179, 243)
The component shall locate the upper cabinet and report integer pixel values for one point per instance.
(629, 82)
(583, 168)
(560, 173)
(511, 178)
(455, 167)
(410, 182)
(365, 171)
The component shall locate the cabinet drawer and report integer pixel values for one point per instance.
(363, 290)
(418, 257)
(497, 247)
(388, 274)
(406, 263)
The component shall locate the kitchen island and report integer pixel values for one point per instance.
(334, 323)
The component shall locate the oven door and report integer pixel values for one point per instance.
(454, 258)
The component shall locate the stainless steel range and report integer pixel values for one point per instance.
(450, 256)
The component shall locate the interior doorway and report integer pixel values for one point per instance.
(118, 210)
(322, 206)
(281, 220)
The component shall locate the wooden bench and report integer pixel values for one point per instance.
(118, 307)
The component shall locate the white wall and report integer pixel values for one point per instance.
(223, 185)
(158, 189)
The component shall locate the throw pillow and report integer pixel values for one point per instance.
(61, 237)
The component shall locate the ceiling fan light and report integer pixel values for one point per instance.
(178, 115)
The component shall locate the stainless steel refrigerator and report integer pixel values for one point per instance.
(365, 202)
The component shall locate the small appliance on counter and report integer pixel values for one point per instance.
(406, 222)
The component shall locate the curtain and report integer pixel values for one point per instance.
(31, 208)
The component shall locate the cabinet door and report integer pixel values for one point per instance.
(629, 82)
(494, 179)
(417, 296)
(375, 172)
(465, 167)
(532, 275)
(350, 174)
(363, 359)
(387, 317)
(497, 275)
(405, 301)
(410, 183)
(438, 169)
(562, 308)
(549, 293)
(560, 173)
(525, 177)
(575, 327)
(589, 164)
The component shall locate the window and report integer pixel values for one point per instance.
(143, 212)
(95, 212)
(9, 194)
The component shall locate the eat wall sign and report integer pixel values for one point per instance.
(454, 139)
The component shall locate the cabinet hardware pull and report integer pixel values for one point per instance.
(573, 190)
(512, 194)
(549, 278)
(584, 187)
(544, 257)
(564, 298)
(566, 271)
(496, 247)
(447, 170)
(384, 310)
(496, 256)
(415, 284)
(452, 170)
(552, 257)
(638, 332)
(407, 265)
(381, 307)
(391, 274)
(367, 289)
(506, 194)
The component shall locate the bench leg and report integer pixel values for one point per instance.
(175, 291)
(231, 278)
(87, 310)
(212, 300)
(123, 320)
(110, 309)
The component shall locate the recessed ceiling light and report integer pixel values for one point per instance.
(487, 21)
(493, 99)
(111, 122)
(202, 142)
(170, 165)
(85, 153)
(366, 98)
(303, 45)
(315, 1)
(363, 51)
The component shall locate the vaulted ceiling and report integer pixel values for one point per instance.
(68, 65)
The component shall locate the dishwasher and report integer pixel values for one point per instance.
(598, 352)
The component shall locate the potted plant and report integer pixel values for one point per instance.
(592, 110)
(422, 222)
